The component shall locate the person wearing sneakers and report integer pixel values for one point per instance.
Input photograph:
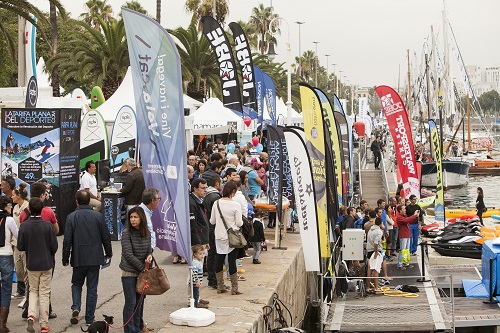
(38, 240)
(258, 237)
(85, 236)
(404, 222)
(226, 211)
(197, 275)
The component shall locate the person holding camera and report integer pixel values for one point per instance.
(404, 223)
(416, 226)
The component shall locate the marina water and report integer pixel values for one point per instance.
(466, 195)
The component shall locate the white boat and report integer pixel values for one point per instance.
(455, 173)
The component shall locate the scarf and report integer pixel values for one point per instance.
(3, 217)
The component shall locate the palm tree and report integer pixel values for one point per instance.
(199, 65)
(97, 57)
(97, 9)
(136, 6)
(200, 8)
(251, 33)
(260, 19)
(158, 11)
(308, 61)
(26, 10)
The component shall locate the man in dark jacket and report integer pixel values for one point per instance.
(376, 148)
(212, 195)
(215, 170)
(134, 184)
(38, 239)
(85, 236)
(197, 216)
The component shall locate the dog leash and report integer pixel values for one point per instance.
(146, 286)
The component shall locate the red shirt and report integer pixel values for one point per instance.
(404, 225)
(47, 215)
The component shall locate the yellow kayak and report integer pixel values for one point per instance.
(461, 211)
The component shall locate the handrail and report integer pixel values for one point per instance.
(384, 178)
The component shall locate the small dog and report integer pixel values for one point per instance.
(100, 326)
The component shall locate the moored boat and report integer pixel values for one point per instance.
(462, 211)
(455, 173)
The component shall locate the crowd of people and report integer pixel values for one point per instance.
(392, 233)
(223, 187)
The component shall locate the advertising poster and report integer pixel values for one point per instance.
(93, 138)
(30, 148)
(123, 138)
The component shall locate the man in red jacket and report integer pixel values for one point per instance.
(403, 223)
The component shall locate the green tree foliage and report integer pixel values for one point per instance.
(95, 57)
(97, 11)
(490, 102)
(260, 19)
(8, 65)
(200, 8)
(135, 5)
(198, 63)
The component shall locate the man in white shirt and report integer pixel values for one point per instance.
(89, 183)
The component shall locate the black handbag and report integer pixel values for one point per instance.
(247, 228)
(235, 237)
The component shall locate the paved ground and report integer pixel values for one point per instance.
(237, 311)
(110, 301)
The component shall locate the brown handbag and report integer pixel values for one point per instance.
(153, 281)
(235, 237)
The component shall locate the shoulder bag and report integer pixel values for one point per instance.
(235, 237)
(153, 281)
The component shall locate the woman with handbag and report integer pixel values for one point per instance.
(136, 256)
(226, 214)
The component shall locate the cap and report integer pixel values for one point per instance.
(256, 160)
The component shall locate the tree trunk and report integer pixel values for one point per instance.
(53, 42)
(158, 11)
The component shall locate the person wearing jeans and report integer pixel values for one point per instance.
(258, 237)
(85, 236)
(404, 222)
(136, 255)
(8, 229)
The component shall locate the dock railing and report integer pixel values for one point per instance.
(385, 180)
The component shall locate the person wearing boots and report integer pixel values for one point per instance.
(8, 229)
(226, 211)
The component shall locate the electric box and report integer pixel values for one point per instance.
(352, 244)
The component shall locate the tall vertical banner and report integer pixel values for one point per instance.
(259, 93)
(436, 147)
(399, 125)
(347, 163)
(270, 97)
(244, 58)
(315, 143)
(363, 102)
(305, 198)
(156, 72)
(286, 182)
(275, 163)
(231, 96)
(331, 129)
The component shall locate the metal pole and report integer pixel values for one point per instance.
(300, 54)
(422, 248)
(327, 79)
(289, 81)
(21, 57)
(317, 62)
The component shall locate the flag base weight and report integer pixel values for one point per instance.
(192, 316)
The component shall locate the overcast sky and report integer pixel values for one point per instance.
(366, 39)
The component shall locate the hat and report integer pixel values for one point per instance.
(256, 160)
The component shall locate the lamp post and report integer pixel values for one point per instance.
(327, 79)
(300, 55)
(316, 79)
(289, 73)
(338, 91)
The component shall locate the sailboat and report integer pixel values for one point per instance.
(455, 172)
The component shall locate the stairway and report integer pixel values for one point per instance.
(372, 182)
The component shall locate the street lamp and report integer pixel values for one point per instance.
(327, 79)
(316, 80)
(289, 73)
(300, 55)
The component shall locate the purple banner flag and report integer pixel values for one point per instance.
(156, 73)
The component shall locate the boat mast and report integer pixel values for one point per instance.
(468, 123)
(410, 106)
(428, 98)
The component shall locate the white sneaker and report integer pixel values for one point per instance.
(20, 305)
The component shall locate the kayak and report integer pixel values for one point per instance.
(460, 211)
(496, 217)
(426, 202)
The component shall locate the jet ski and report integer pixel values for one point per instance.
(460, 239)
